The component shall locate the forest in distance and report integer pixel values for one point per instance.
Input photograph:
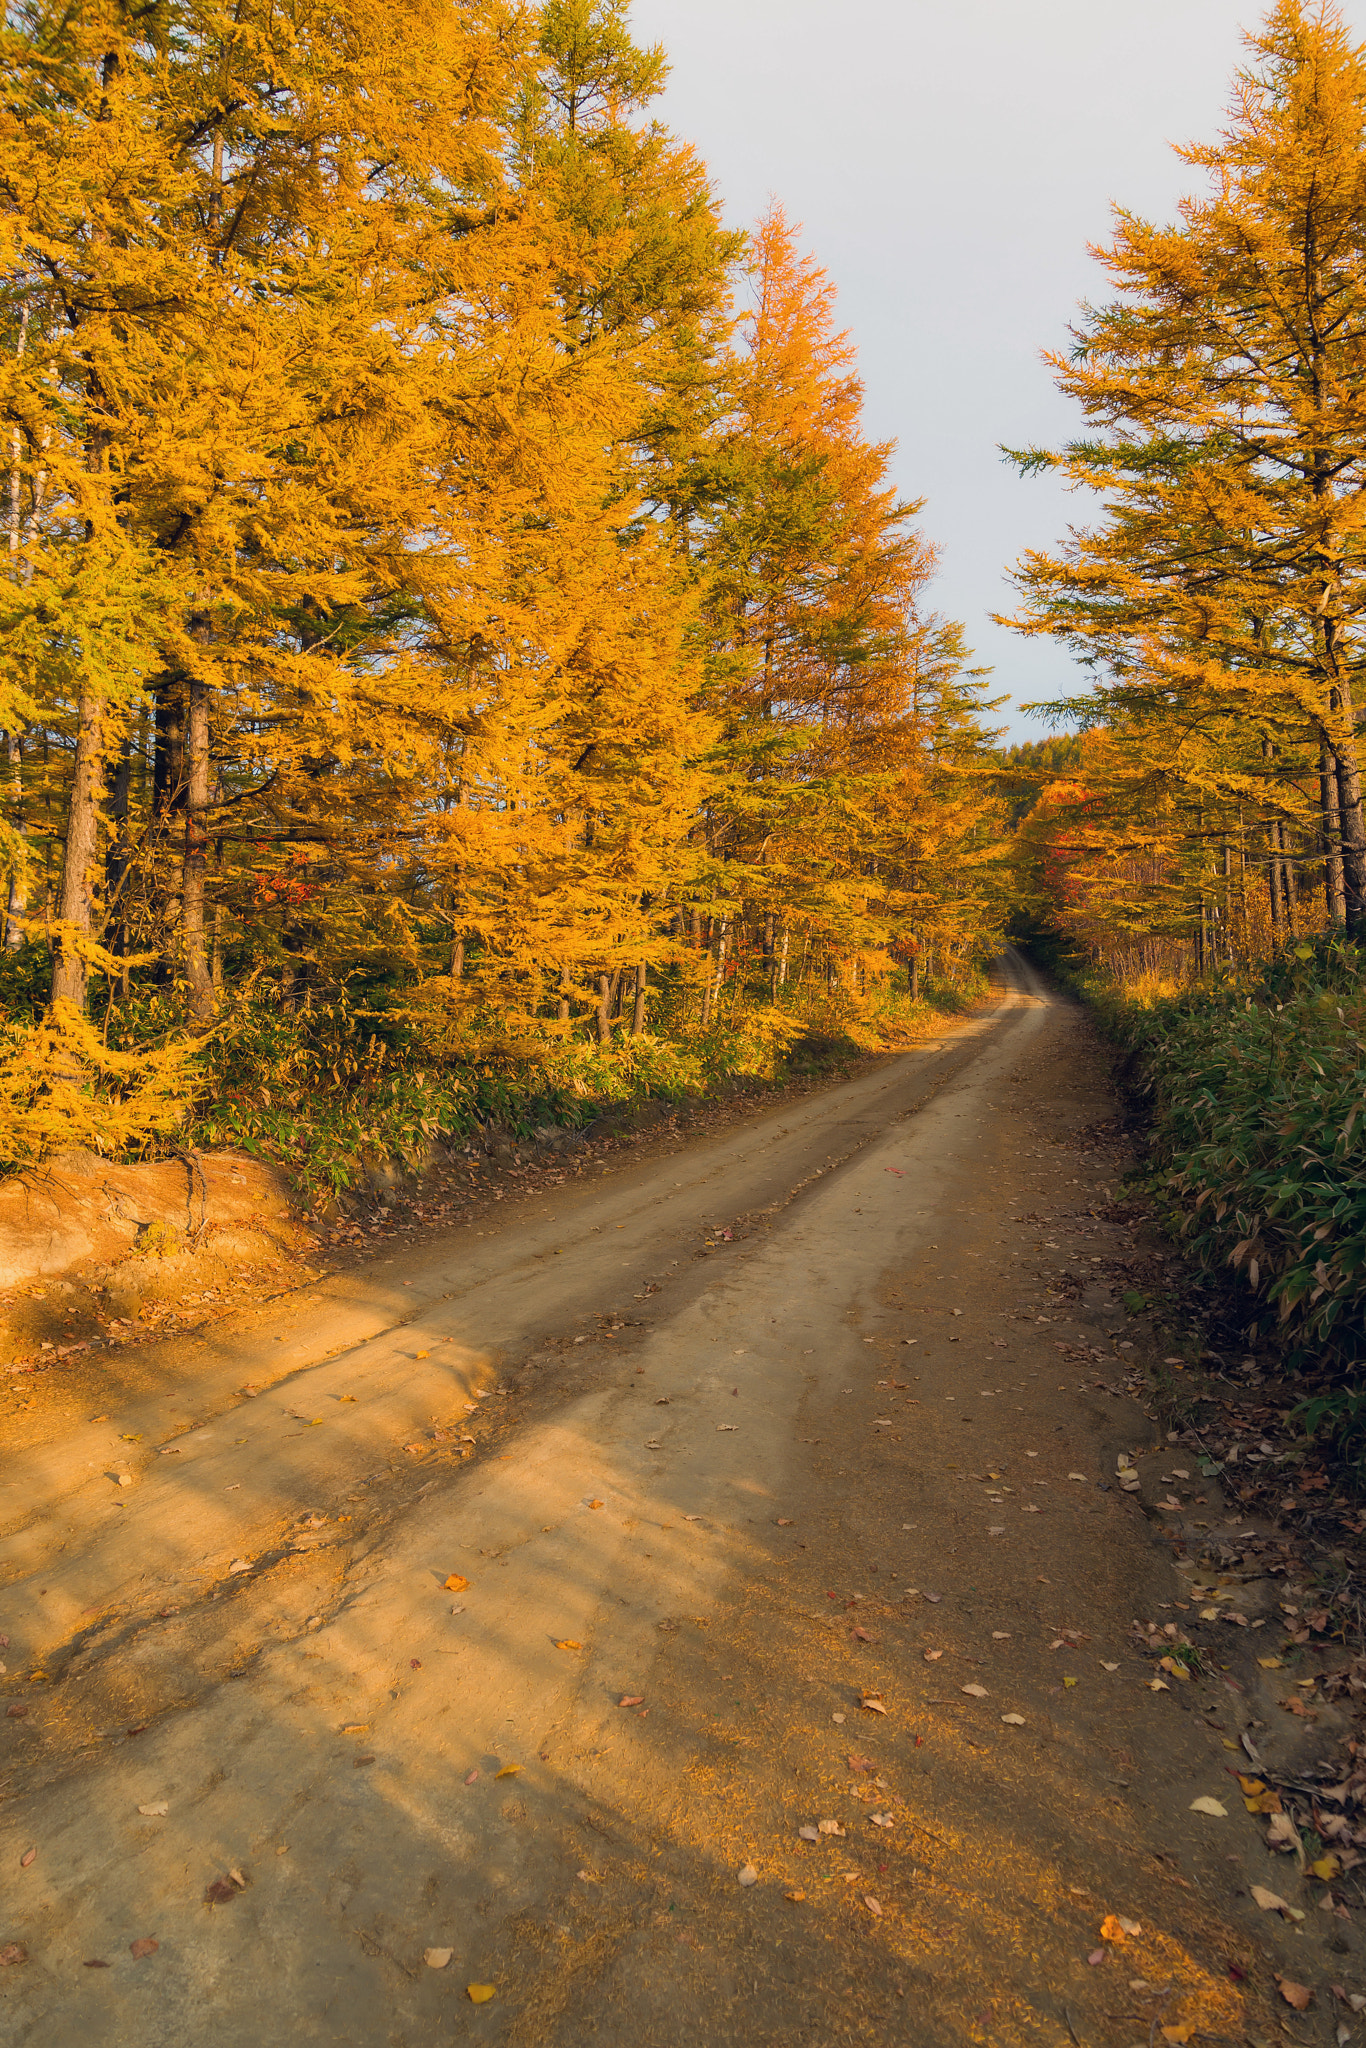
(463, 657)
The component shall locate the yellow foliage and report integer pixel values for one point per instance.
(61, 1086)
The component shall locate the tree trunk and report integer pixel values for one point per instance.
(1334, 889)
(604, 1009)
(1292, 905)
(913, 972)
(16, 902)
(1273, 883)
(638, 1013)
(75, 924)
(198, 973)
(1352, 821)
(782, 963)
(118, 850)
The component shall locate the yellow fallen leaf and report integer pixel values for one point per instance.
(1251, 1785)
(437, 1958)
(1158, 1685)
(422, 1354)
(796, 1897)
(568, 1644)
(356, 1728)
(872, 1705)
(1069, 1681)
(508, 1771)
(1174, 1667)
(1204, 1804)
(455, 1584)
(1270, 1902)
(1327, 1868)
(1114, 1927)
(480, 1994)
(1179, 2034)
(1271, 1663)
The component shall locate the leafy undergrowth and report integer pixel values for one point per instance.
(338, 1092)
(1254, 1094)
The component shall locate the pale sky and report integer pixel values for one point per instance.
(950, 160)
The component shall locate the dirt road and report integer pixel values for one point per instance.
(700, 1606)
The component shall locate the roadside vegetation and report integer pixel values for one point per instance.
(1193, 852)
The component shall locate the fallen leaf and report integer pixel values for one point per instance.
(480, 1994)
(12, 1952)
(29, 1856)
(978, 1692)
(422, 1354)
(437, 1958)
(455, 1584)
(1179, 2034)
(872, 1705)
(1298, 1995)
(471, 1777)
(157, 1811)
(1013, 1720)
(1080, 1477)
(145, 1945)
(1108, 1667)
(1271, 1902)
(795, 1897)
(873, 1907)
(632, 1699)
(239, 1564)
(1282, 1834)
(568, 1644)
(1204, 1804)
(830, 1827)
(356, 1728)
(785, 1522)
(1327, 1867)
(1114, 1927)
(220, 1892)
(1158, 1685)
(1097, 1957)
(1271, 1663)
(748, 1874)
(933, 1656)
(16, 1713)
(809, 1834)
(861, 1635)
(508, 1771)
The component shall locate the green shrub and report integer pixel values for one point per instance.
(1258, 1101)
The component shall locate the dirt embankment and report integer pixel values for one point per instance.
(88, 1248)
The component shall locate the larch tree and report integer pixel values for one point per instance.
(1224, 391)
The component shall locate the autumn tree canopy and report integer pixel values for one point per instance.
(445, 565)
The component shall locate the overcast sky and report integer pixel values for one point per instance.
(950, 160)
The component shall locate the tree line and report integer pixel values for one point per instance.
(439, 552)
(1212, 810)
